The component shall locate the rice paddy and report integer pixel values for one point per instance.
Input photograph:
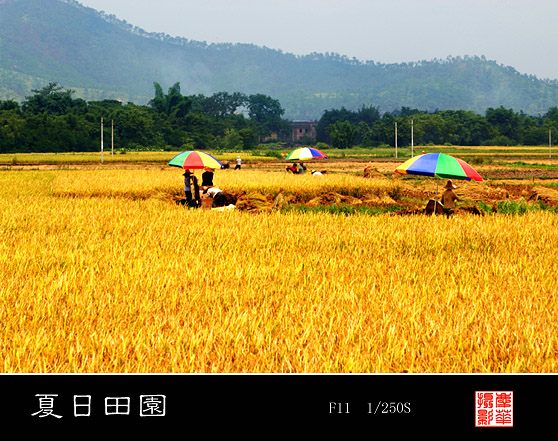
(103, 272)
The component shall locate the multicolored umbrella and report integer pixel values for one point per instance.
(194, 160)
(305, 153)
(439, 165)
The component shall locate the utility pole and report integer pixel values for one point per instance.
(112, 138)
(549, 143)
(396, 140)
(412, 140)
(102, 146)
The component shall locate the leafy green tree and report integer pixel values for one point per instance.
(249, 138)
(52, 99)
(505, 123)
(222, 104)
(368, 115)
(342, 134)
(173, 103)
(134, 126)
(263, 108)
(536, 136)
(366, 136)
(550, 123)
(12, 126)
(266, 113)
(330, 117)
(232, 139)
(9, 105)
(198, 128)
(552, 114)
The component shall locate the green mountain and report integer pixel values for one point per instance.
(100, 56)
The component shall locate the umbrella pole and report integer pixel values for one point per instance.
(435, 199)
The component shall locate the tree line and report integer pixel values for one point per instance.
(52, 120)
(367, 127)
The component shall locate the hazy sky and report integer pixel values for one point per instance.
(518, 33)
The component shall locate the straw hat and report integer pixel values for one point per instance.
(186, 172)
(209, 169)
(449, 184)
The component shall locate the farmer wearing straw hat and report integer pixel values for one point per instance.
(207, 177)
(449, 197)
(191, 183)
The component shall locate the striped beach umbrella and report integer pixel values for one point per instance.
(195, 160)
(439, 165)
(305, 153)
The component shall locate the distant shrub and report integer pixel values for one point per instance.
(501, 141)
(485, 207)
(479, 160)
(512, 207)
(273, 154)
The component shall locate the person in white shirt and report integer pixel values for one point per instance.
(238, 163)
(216, 194)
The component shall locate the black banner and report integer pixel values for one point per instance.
(259, 406)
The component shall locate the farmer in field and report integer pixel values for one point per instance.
(191, 183)
(293, 169)
(449, 198)
(207, 177)
(301, 168)
(238, 163)
(216, 194)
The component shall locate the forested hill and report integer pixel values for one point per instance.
(100, 56)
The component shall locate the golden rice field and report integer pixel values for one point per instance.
(73, 158)
(102, 272)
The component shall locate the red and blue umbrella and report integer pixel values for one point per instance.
(305, 153)
(439, 165)
(194, 160)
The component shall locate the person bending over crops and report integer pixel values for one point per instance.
(448, 198)
(301, 169)
(216, 194)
